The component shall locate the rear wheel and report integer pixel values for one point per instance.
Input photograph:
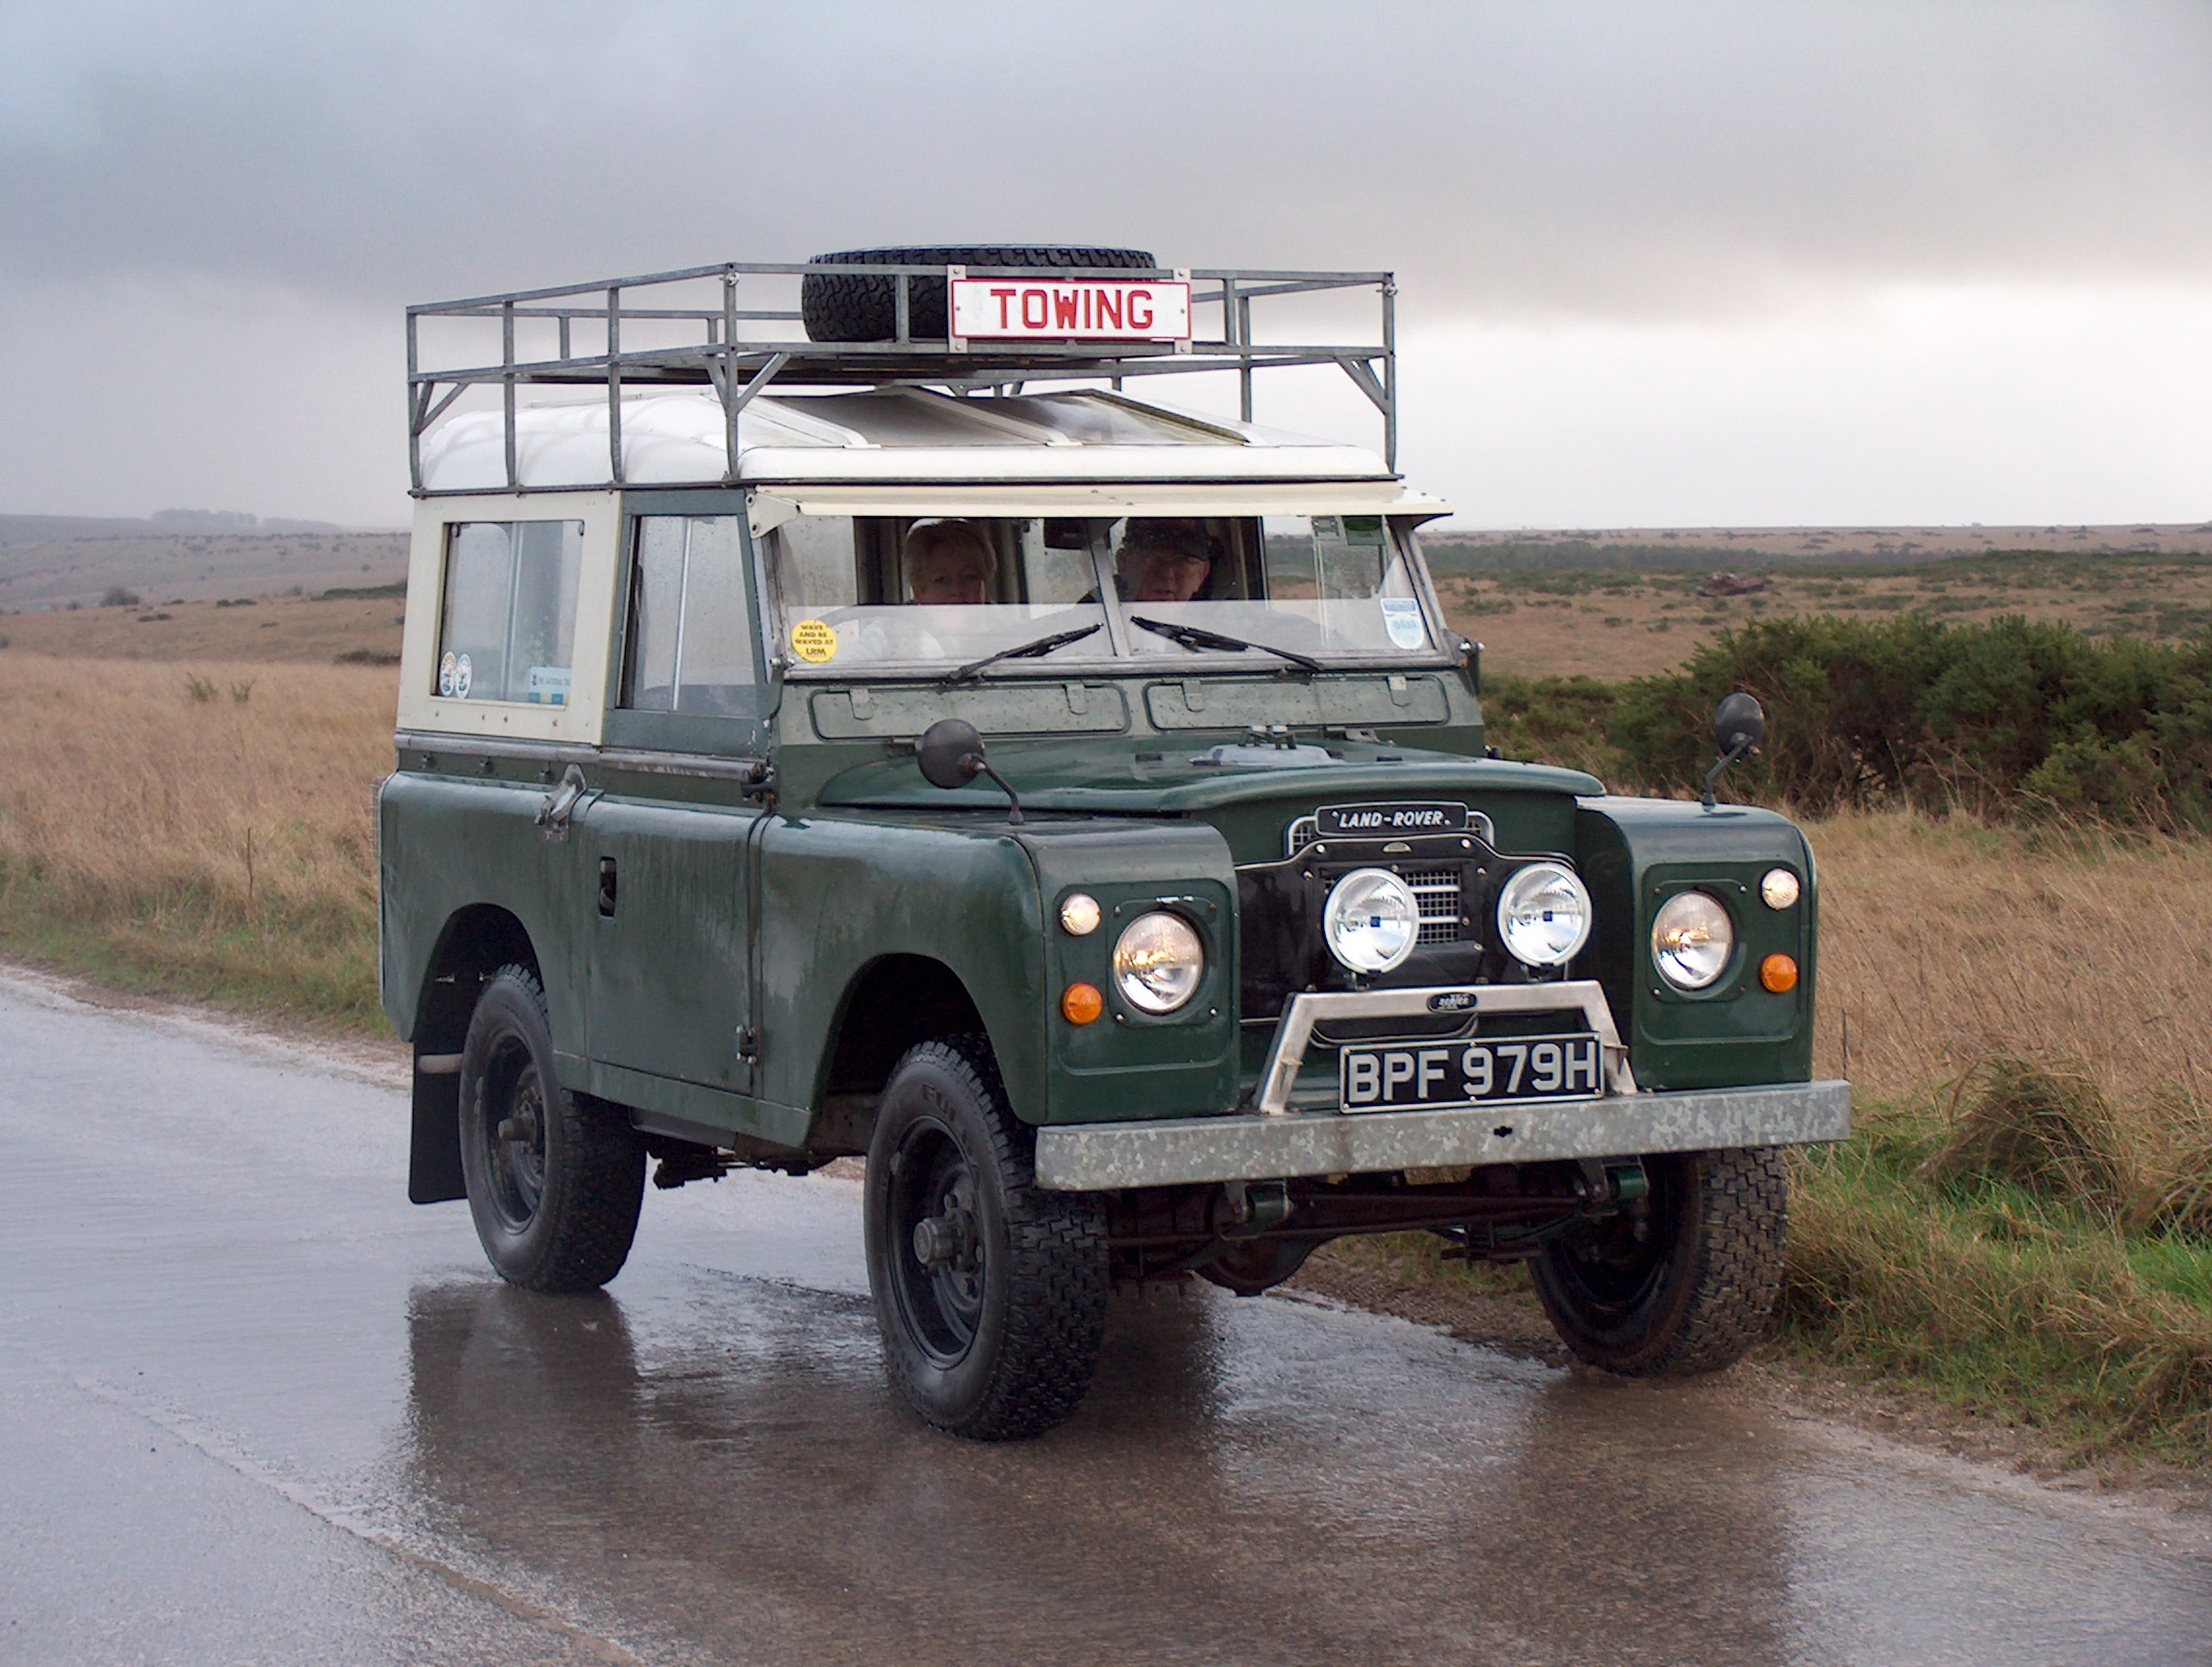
(991, 1292)
(554, 1180)
(1684, 1280)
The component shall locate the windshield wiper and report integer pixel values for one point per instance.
(1199, 636)
(1024, 651)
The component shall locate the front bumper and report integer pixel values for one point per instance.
(1101, 1157)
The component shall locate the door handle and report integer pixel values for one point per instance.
(553, 815)
(607, 883)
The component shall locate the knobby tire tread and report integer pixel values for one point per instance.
(603, 1189)
(1734, 1273)
(1058, 1267)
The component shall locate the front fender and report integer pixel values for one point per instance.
(1636, 852)
(837, 895)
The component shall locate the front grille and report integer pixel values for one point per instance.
(1436, 895)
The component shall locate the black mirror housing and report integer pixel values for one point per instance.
(950, 753)
(1740, 725)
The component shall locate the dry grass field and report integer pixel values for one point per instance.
(205, 828)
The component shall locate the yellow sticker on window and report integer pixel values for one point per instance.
(814, 641)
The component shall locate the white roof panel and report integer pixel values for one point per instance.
(884, 434)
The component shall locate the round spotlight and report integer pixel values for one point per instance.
(1371, 920)
(1543, 914)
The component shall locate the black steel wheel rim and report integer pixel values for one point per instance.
(938, 1267)
(1617, 1270)
(514, 1134)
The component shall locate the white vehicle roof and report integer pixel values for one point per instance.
(897, 435)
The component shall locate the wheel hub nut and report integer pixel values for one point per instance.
(947, 1240)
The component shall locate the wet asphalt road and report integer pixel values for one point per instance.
(255, 1407)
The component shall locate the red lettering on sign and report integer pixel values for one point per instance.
(1064, 310)
(1110, 309)
(1003, 295)
(1140, 309)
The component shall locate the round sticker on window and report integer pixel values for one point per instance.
(447, 670)
(814, 641)
(462, 678)
(1401, 617)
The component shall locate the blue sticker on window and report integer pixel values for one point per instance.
(1401, 617)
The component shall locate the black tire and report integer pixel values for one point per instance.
(991, 1292)
(554, 1180)
(1694, 1287)
(852, 307)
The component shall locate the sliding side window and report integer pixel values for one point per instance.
(691, 636)
(509, 625)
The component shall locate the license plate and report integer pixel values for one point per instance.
(1413, 1075)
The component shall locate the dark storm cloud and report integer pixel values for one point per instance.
(1619, 160)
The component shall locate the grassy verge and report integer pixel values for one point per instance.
(1925, 1253)
(313, 967)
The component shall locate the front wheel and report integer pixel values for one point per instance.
(1683, 1279)
(554, 1180)
(991, 1292)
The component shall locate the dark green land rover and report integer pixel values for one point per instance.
(838, 717)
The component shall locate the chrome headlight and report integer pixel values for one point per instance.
(1157, 962)
(1543, 914)
(1691, 940)
(1371, 921)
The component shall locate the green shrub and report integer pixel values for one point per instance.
(2008, 718)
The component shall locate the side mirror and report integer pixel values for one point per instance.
(1740, 725)
(950, 753)
(1737, 728)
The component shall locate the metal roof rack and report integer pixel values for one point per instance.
(742, 351)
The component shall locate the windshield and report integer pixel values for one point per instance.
(939, 593)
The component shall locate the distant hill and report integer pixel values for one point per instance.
(186, 555)
(1458, 549)
(40, 529)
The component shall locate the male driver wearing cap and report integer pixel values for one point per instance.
(1165, 560)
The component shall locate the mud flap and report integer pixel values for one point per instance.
(434, 1157)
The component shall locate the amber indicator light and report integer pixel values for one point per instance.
(1779, 972)
(1082, 1004)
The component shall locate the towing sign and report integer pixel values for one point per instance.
(1010, 309)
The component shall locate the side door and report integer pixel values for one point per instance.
(669, 837)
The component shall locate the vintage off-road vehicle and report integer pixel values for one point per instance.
(892, 737)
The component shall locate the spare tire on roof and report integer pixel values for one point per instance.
(853, 307)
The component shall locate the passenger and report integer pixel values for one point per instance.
(1164, 559)
(949, 564)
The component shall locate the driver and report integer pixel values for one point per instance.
(1164, 559)
(948, 563)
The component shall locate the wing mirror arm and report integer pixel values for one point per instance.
(1738, 727)
(950, 753)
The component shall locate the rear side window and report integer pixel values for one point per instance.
(692, 632)
(509, 626)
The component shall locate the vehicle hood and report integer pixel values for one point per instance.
(1157, 778)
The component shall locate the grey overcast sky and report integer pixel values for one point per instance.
(1677, 264)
